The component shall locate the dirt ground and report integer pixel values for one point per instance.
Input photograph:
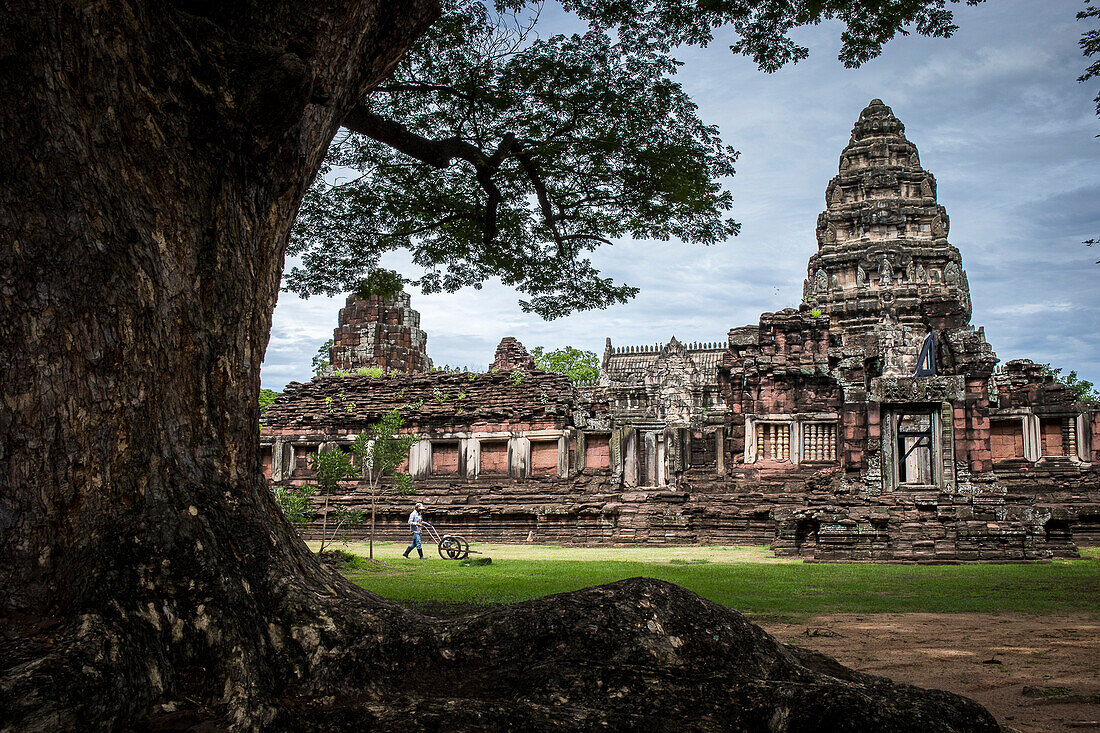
(1034, 673)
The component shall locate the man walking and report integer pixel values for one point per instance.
(416, 523)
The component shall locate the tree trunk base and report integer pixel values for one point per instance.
(635, 654)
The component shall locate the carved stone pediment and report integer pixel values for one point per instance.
(917, 389)
(675, 378)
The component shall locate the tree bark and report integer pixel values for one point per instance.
(154, 156)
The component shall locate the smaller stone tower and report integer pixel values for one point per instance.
(511, 356)
(379, 332)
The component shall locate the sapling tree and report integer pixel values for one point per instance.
(330, 468)
(296, 504)
(320, 361)
(380, 452)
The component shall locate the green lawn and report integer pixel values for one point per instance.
(746, 578)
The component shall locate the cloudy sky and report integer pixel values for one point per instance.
(999, 120)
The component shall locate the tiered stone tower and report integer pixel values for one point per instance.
(882, 239)
(379, 332)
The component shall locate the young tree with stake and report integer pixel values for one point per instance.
(381, 451)
(332, 467)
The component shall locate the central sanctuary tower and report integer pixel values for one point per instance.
(882, 239)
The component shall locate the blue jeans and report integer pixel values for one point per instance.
(415, 543)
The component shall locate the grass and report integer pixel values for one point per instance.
(746, 578)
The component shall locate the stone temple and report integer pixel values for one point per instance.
(873, 422)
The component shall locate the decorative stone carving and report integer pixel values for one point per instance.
(926, 189)
(675, 375)
(937, 228)
(821, 282)
(917, 389)
(861, 276)
(885, 276)
(951, 275)
(922, 275)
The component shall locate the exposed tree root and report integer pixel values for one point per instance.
(635, 654)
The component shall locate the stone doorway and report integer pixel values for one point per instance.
(914, 448)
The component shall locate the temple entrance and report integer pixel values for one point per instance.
(914, 448)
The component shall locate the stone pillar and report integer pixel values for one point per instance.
(615, 454)
(420, 459)
(279, 460)
(581, 457)
(720, 451)
(563, 456)
(519, 457)
(750, 441)
(652, 460)
(471, 450)
(947, 447)
(1084, 450)
(1033, 441)
(630, 457)
(796, 442)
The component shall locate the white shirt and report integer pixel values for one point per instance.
(414, 521)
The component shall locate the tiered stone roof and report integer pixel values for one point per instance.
(436, 400)
(882, 239)
(630, 364)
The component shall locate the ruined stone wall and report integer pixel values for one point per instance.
(511, 356)
(776, 375)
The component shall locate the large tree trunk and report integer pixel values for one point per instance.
(154, 158)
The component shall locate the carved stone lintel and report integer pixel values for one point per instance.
(917, 389)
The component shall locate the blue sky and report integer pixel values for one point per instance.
(999, 120)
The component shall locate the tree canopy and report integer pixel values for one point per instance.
(1082, 388)
(491, 151)
(578, 365)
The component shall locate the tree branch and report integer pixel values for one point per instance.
(436, 153)
(548, 217)
(439, 154)
(395, 88)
